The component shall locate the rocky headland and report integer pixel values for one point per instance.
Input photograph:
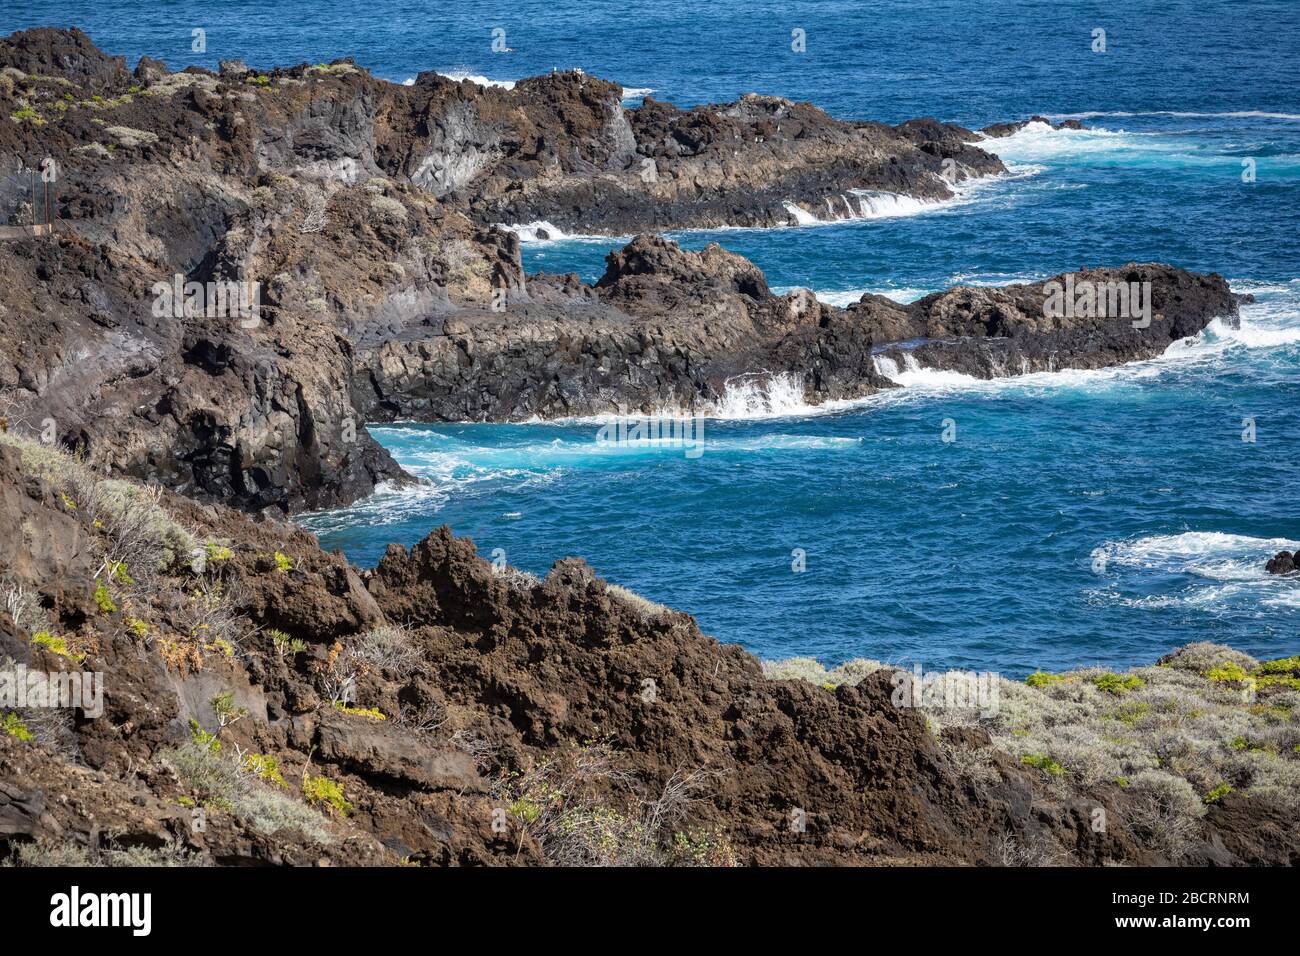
(436, 709)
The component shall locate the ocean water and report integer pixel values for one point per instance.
(1078, 517)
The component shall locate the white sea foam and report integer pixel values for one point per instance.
(762, 396)
(1225, 569)
(1232, 114)
(1206, 551)
(537, 231)
(844, 297)
(459, 75)
(910, 373)
(1272, 323)
(861, 205)
(541, 231)
(636, 92)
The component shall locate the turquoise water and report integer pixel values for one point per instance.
(1100, 517)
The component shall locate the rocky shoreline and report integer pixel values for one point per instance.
(438, 709)
(384, 291)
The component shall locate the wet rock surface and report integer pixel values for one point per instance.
(1284, 562)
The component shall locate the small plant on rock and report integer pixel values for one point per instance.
(14, 726)
(1112, 683)
(322, 790)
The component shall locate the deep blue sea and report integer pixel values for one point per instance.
(1078, 518)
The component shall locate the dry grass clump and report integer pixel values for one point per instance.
(53, 728)
(45, 852)
(24, 607)
(1206, 721)
(1201, 657)
(516, 579)
(148, 560)
(1039, 850)
(222, 784)
(809, 669)
(137, 531)
(388, 647)
(644, 607)
(385, 207)
(1199, 717)
(464, 262)
(582, 811)
(141, 533)
(1166, 811)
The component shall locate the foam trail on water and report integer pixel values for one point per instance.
(846, 297)
(1192, 548)
(1234, 114)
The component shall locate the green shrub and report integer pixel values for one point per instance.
(201, 738)
(1284, 665)
(318, 790)
(1227, 673)
(13, 726)
(525, 809)
(372, 713)
(1131, 713)
(1044, 763)
(217, 552)
(1113, 683)
(264, 768)
(1218, 793)
(104, 600)
(1041, 679)
(1278, 680)
(55, 645)
(28, 114)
